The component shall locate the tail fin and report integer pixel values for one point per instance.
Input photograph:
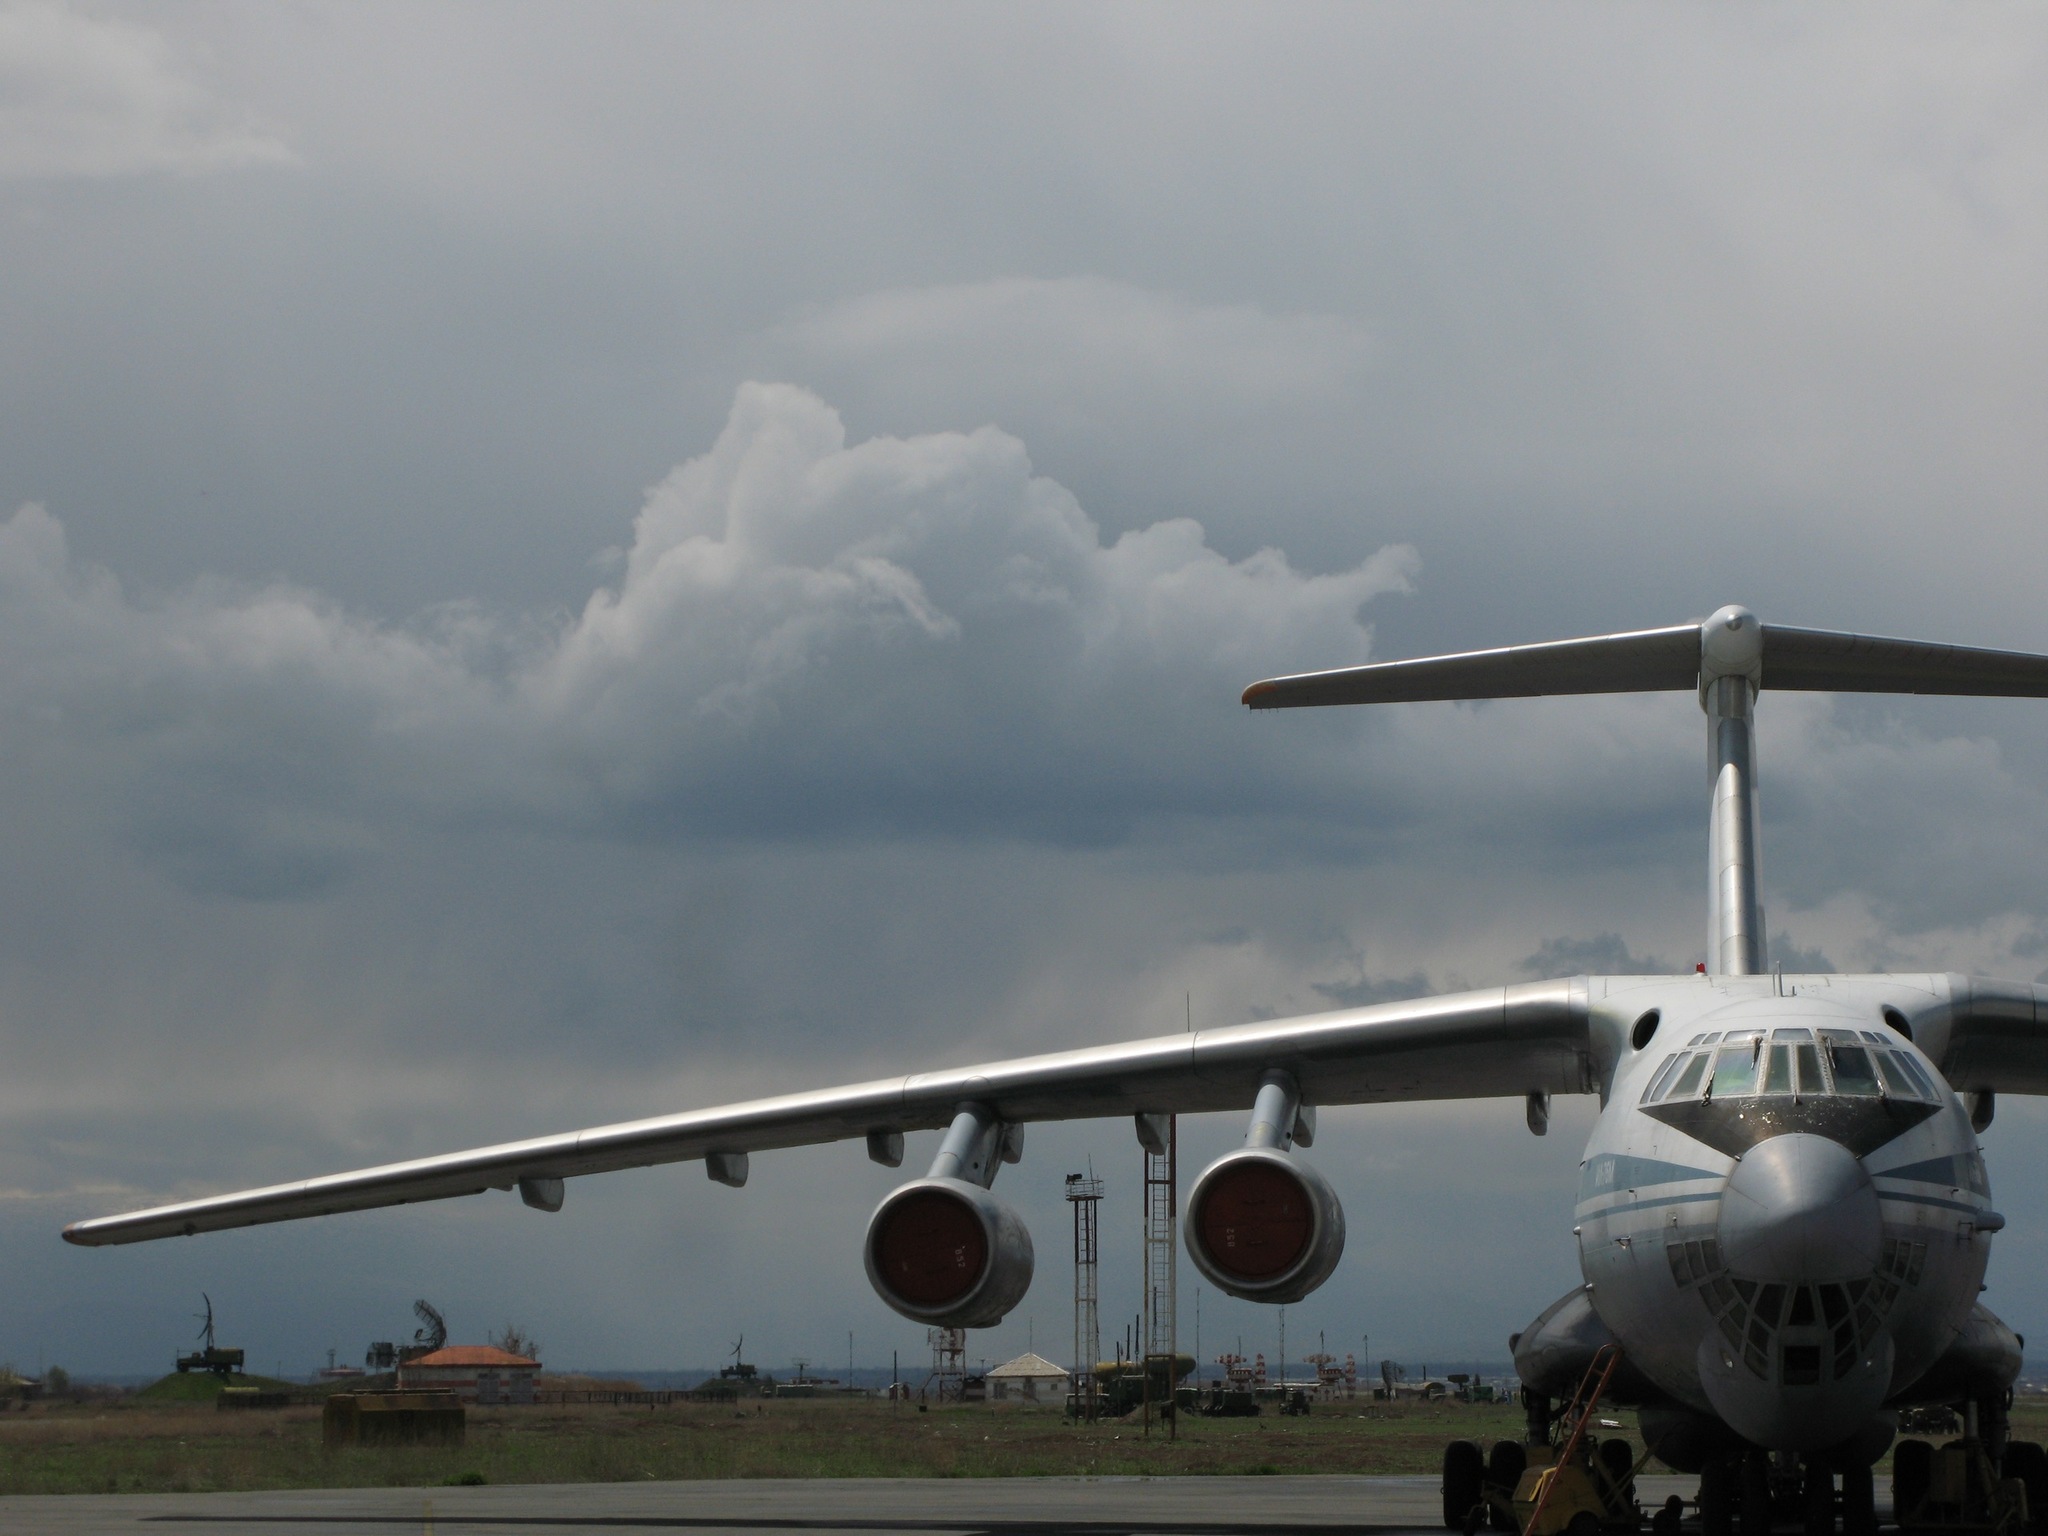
(1727, 658)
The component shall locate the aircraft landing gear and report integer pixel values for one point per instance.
(1859, 1502)
(1464, 1485)
(1717, 1498)
(1755, 1510)
(1962, 1488)
(1819, 1499)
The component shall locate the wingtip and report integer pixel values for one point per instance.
(1254, 696)
(76, 1233)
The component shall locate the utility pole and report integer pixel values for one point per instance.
(1283, 1358)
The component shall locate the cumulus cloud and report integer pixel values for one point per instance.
(917, 633)
(89, 96)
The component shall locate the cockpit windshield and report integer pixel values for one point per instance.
(1849, 1063)
(1740, 1064)
(1734, 1068)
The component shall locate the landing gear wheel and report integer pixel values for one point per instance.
(1859, 1502)
(1820, 1500)
(1912, 1469)
(1717, 1499)
(1755, 1519)
(1464, 1482)
(2029, 1463)
(1504, 1469)
(1617, 1461)
(1583, 1524)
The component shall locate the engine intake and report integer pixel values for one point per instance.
(948, 1253)
(1263, 1226)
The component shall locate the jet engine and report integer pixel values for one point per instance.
(1262, 1225)
(948, 1253)
(941, 1249)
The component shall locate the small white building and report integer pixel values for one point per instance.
(1029, 1379)
(477, 1373)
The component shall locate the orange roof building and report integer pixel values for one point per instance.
(477, 1373)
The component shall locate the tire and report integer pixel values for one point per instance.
(1755, 1516)
(1717, 1499)
(2029, 1463)
(1504, 1468)
(1859, 1502)
(1617, 1460)
(1583, 1524)
(1820, 1500)
(1912, 1470)
(1464, 1481)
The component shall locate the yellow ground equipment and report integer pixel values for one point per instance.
(1589, 1485)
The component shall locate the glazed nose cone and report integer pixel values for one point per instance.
(1800, 1208)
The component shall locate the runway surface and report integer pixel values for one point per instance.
(1176, 1506)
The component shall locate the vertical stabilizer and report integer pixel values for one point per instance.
(1731, 661)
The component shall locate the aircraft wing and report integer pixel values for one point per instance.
(1530, 1038)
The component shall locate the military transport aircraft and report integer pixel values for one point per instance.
(1783, 1216)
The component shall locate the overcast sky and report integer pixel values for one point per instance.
(570, 562)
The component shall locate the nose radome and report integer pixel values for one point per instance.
(1800, 1208)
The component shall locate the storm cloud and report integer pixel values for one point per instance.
(704, 552)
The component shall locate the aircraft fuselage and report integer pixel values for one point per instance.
(1783, 1213)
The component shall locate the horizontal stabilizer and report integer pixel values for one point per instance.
(1824, 661)
(1668, 660)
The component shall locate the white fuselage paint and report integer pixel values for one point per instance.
(1899, 1227)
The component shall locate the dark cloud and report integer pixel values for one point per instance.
(1604, 954)
(344, 819)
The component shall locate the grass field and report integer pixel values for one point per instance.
(140, 1447)
(137, 1446)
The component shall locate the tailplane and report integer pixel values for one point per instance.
(1726, 658)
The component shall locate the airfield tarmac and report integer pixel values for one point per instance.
(1020, 1506)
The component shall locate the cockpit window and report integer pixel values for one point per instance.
(1663, 1076)
(1734, 1068)
(1791, 1034)
(1913, 1070)
(1896, 1082)
(1688, 1081)
(1778, 1070)
(1811, 1083)
(1849, 1063)
(1706, 1039)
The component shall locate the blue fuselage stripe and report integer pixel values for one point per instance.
(1947, 1205)
(1651, 1204)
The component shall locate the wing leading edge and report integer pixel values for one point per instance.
(1502, 1041)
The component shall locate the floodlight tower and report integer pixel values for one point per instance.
(1084, 1193)
(1162, 1208)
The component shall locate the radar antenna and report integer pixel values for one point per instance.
(435, 1332)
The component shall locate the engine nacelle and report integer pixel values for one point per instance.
(948, 1253)
(1264, 1226)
